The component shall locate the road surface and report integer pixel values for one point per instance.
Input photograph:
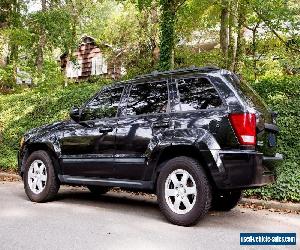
(78, 220)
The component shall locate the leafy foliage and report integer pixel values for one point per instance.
(56, 24)
(31, 108)
(6, 77)
(283, 96)
(185, 58)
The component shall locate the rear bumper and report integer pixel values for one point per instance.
(277, 157)
(246, 169)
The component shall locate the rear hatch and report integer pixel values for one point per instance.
(266, 128)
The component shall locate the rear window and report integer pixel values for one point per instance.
(246, 92)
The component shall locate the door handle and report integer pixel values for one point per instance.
(87, 124)
(161, 125)
(105, 130)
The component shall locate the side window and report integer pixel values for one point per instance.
(104, 105)
(147, 98)
(197, 93)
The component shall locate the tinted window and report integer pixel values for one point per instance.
(103, 105)
(148, 98)
(197, 93)
(246, 92)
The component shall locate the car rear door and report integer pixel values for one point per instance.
(196, 104)
(140, 127)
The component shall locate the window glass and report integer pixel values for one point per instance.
(104, 105)
(246, 92)
(74, 69)
(197, 93)
(99, 65)
(148, 98)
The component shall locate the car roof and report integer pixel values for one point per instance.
(157, 75)
(175, 72)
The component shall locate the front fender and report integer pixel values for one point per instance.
(50, 144)
(49, 140)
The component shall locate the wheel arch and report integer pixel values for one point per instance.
(32, 147)
(202, 155)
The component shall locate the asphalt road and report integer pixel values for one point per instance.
(78, 220)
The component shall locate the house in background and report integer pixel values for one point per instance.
(23, 77)
(90, 60)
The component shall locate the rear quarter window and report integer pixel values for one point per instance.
(246, 92)
(197, 94)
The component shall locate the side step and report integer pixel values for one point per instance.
(109, 182)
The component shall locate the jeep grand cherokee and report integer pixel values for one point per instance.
(196, 137)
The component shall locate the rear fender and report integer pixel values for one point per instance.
(196, 143)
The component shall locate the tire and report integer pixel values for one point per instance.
(226, 200)
(45, 181)
(196, 189)
(97, 190)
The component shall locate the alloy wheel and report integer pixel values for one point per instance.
(37, 176)
(180, 191)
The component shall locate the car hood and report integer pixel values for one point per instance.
(46, 130)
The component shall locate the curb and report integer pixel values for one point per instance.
(9, 177)
(276, 205)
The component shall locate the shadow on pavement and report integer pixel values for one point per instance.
(71, 196)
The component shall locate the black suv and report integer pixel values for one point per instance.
(196, 137)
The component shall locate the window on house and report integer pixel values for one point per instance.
(23, 77)
(123, 70)
(99, 65)
(74, 69)
(79, 67)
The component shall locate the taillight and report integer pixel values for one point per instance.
(244, 126)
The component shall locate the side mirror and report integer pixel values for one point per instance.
(75, 114)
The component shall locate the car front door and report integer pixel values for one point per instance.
(88, 147)
(143, 123)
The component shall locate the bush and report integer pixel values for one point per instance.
(34, 107)
(186, 57)
(283, 95)
(6, 78)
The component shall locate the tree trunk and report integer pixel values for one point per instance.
(42, 40)
(154, 45)
(232, 35)
(240, 36)
(254, 48)
(40, 53)
(224, 30)
(167, 34)
(154, 53)
(13, 53)
(12, 9)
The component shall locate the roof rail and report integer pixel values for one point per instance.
(179, 71)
